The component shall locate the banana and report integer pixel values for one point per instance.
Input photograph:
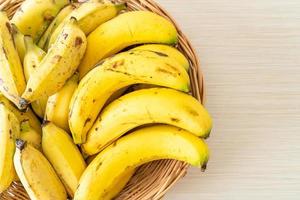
(33, 57)
(57, 109)
(127, 29)
(90, 15)
(57, 66)
(119, 184)
(139, 147)
(156, 105)
(166, 51)
(19, 41)
(117, 72)
(9, 131)
(36, 174)
(64, 156)
(30, 135)
(43, 41)
(34, 16)
(22, 116)
(163, 50)
(12, 81)
(32, 60)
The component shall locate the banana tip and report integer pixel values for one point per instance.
(203, 167)
(23, 104)
(20, 144)
(45, 123)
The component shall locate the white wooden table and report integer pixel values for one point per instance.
(250, 54)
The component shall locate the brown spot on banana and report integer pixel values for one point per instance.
(78, 41)
(65, 35)
(118, 63)
(160, 54)
(87, 121)
(56, 58)
(48, 16)
(165, 71)
(5, 53)
(8, 26)
(172, 67)
(98, 166)
(193, 112)
(173, 119)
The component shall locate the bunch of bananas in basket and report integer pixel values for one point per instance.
(110, 89)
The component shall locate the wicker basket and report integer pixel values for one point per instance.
(152, 180)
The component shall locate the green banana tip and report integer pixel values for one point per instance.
(121, 6)
(20, 144)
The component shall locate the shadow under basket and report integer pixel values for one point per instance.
(152, 180)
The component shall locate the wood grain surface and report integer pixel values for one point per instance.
(249, 51)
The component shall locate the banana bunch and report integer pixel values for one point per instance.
(122, 109)
(120, 71)
(57, 66)
(140, 107)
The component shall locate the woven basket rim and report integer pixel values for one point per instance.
(140, 186)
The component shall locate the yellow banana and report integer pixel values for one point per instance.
(90, 15)
(19, 41)
(32, 60)
(12, 81)
(57, 109)
(22, 116)
(57, 66)
(120, 71)
(36, 174)
(124, 30)
(33, 57)
(156, 105)
(166, 51)
(64, 156)
(9, 131)
(119, 184)
(34, 16)
(43, 41)
(139, 147)
(30, 135)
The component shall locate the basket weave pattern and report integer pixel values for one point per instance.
(152, 180)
